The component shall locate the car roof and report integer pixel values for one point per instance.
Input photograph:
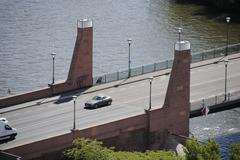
(101, 95)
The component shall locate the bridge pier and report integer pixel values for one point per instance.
(81, 71)
(173, 117)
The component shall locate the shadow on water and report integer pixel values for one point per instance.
(212, 12)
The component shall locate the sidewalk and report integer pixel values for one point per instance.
(155, 74)
(112, 84)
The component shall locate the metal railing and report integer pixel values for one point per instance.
(197, 57)
(215, 100)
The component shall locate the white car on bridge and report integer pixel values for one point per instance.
(6, 131)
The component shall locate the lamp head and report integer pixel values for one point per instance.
(150, 79)
(53, 54)
(226, 61)
(129, 41)
(74, 98)
(179, 30)
(228, 19)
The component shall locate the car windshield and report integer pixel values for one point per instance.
(96, 98)
(7, 127)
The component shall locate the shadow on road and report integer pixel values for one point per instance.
(5, 141)
(67, 97)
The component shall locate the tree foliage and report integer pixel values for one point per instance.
(196, 151)
(234, 152)
(85, 149)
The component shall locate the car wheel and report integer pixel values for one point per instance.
(12, 136)
(95, 106)
(109, 103)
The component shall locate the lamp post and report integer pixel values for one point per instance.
(129, 58)
(227, 20)
(179, 33)
(225, 93)
(53, 56)
(74, 112)
(150, 93)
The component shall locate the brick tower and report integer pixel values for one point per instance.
(177, 98)
(80, 72)
(173, 117)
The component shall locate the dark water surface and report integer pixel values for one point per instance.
(31, 30)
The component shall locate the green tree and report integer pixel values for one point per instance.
(196, 151)
(235, 152)
(193, 150)
(211, 150)
(85, 149)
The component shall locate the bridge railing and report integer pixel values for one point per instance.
(197, 57)
(215, 100)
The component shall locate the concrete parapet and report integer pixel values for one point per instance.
(25, 97)
(125, 134)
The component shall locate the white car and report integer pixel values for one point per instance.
(7, 132)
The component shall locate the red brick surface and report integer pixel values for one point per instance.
(80, 73)
(146, 131)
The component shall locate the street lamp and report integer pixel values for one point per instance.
(227, 20)
(53, 56)
(129, 60)
(225, 93)
(150, 93)
(179, 33)
(74, 112)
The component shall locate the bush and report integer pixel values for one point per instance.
(196, 151)
(235, 152)
(85, 149)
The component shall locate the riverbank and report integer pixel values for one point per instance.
(217, 9)
(226, 5)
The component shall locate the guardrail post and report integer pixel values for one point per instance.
(105, 77)
(154, 66)
(214, 53)
(118, 75)
(166, 64)
(216, 100)
(229, 96)
(202, 56)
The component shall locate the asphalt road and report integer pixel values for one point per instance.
(56, 117)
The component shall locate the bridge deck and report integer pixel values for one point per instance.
(53, 116)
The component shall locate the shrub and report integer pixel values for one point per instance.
(85, 149)
(196, 151)
(235, 152)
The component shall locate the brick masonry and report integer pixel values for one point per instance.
(145, 131)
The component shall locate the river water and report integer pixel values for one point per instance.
(31, 30)
(223, 126)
